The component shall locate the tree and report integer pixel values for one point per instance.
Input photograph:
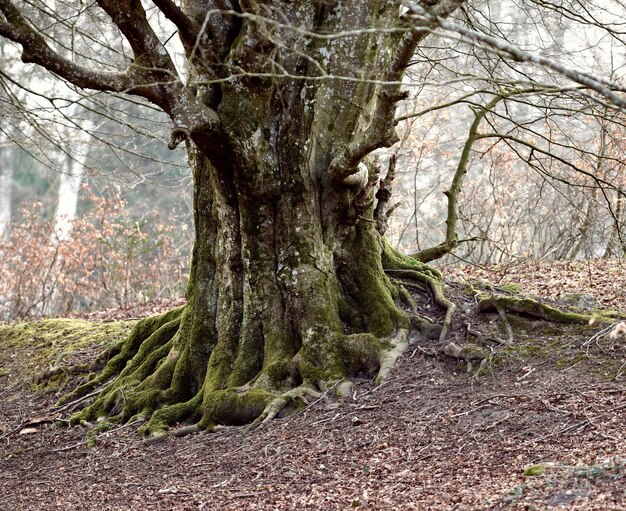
(292, 290)
(6, 172)
(288, 292)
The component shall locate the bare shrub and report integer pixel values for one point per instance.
(111, 259)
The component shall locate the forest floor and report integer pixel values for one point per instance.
(542, 427)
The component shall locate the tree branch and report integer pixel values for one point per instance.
(188, 30)
(35, 50)
(149, 53)
(383, 132)
(154, 66)
(451, 241)
(602, 86)
(152, 74)
(602, 183)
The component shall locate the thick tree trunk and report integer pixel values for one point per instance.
(287, 297)
(288, 292)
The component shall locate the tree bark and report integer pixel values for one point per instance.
(71, 177)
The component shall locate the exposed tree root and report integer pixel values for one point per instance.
(146, 336)
(507, 324)
(136, 376)
(468, 353)
(405, 296)
(280, 403)
(153, 377)
(388, 359)
(471, 353)
(408, 269)
(171, 375)
(535, 308)
(157, 378)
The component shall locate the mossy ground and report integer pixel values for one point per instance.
(28, 350)
(523, 410)
(471, 438)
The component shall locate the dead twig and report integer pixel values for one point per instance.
(75, 402)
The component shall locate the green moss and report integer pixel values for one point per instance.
(535, 470)
(320, 357)
(168, 416)
(132, 391)
(615, 469)
(281, 374)
(571, 360)
(535, 308)
(362, 352)
(28, 349)
(512, 288)
(370, 287)
(312, 373)
(235, 407)
(392, 259)
(473, 352)
(327, 357)
(221, 369)
(558, 348)
(138, 355)
(484, 285)
(526, 348)
(615, 314)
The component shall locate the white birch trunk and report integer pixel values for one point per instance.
(72, 173)
(70, 182)
(7, 154)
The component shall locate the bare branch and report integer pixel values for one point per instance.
(451, 241)
(188, 30)
(603, 183)
(602, 86)
(37, 51)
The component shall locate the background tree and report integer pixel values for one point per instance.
(6, 173)
(551, 140)
(57, 137)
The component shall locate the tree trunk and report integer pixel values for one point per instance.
(7, 155)
(288, 293)
(71, 177)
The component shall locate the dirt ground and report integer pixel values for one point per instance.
(542, 428)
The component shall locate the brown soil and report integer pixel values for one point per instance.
(431, 437)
